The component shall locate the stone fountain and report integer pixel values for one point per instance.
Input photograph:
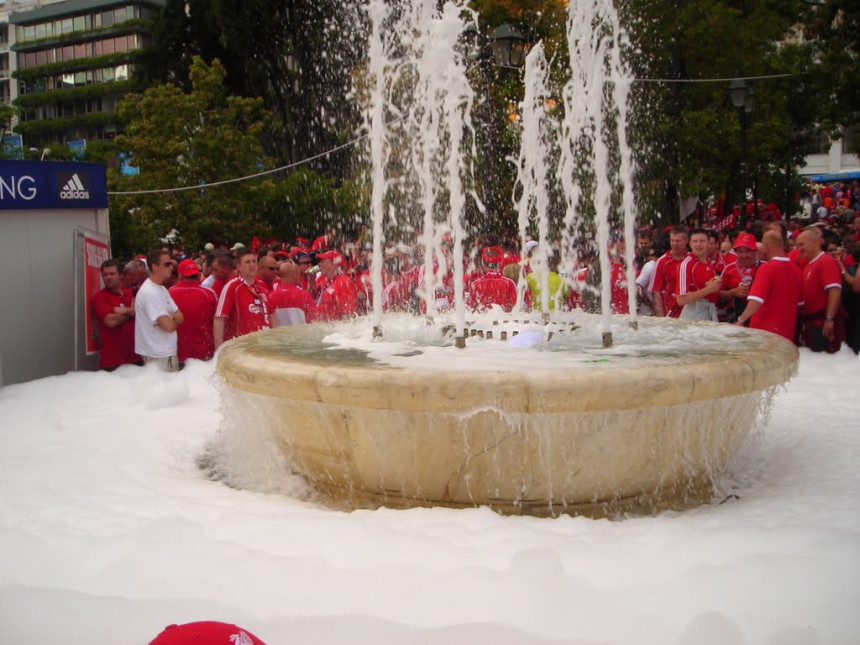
(564, 422)
(601, 433)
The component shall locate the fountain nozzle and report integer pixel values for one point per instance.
(460, 341)
(377, 332)
(607, 339)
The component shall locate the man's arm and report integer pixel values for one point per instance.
(119, 316)
(713, 286)
(834, 297)
(657, 303)
(170, 322)
(218, 330)
(752, 307)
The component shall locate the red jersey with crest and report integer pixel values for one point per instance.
(244, 306)
(664, 281)
(693, 275)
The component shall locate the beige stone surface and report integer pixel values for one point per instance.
(540, 441)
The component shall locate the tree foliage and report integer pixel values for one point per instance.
(181, 139)
(688, 132)
(296, 55)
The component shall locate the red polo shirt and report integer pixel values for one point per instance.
(244, 306)
(116, 344)
(821, 274)
(777, 288)
(194, 335)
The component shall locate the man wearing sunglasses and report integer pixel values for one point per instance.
(157, 316)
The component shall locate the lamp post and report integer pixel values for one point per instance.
(509, 46)
(505, 47)
(743, 98)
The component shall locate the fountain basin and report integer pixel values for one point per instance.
(609, 434)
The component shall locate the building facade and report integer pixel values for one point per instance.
(73, 62)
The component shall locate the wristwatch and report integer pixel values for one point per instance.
(828, 319)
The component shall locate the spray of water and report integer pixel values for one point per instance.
(418, 119)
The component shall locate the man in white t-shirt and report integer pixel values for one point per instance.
(157, 315)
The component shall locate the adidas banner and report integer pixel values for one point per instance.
(49, 185)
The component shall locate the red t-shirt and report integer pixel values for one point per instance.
(620, 301)
(244, 306)
(194, 335)
(116, 344)
(800, 260)
(777, 287)
(664, 281)
(819, 275)
(290, 296)
(337, 298)
(694, 275)
(492, 288)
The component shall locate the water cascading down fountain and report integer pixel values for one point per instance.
(537, 413)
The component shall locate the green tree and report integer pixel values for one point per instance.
(297, 55)
(833, 28)
(181, 139)
(688, 132)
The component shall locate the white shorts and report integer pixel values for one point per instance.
(169, 364)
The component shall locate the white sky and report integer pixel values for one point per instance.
(109, 532)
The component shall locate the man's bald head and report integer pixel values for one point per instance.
(809, 242)
(773, 243)
(290, 273)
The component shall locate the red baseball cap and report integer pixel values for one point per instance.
(334, 256)
(206, 632)
(492, 254)
(188, 268)
(746, 240)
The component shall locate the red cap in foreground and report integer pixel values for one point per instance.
(205, 632)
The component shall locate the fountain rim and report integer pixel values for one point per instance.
(541, 390)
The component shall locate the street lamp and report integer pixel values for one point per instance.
(743, 98)
(509, 46)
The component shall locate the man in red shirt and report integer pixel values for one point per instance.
(325, 242)
(822, 325)
(242, 307)
(698, 285)
(267, 271)
(289, 304)
(337, 294)
(113, 309)
(197, 304)
(492, 287)
(664, 278)
(134, 274)
(776, 291)
(221, 272)
(738, 276)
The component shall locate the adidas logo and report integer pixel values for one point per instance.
(74, 189)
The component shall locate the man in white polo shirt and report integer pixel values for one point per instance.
(157, 316)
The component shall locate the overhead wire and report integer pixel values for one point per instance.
(364, 136)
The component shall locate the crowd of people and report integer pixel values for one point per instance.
(796, 278)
